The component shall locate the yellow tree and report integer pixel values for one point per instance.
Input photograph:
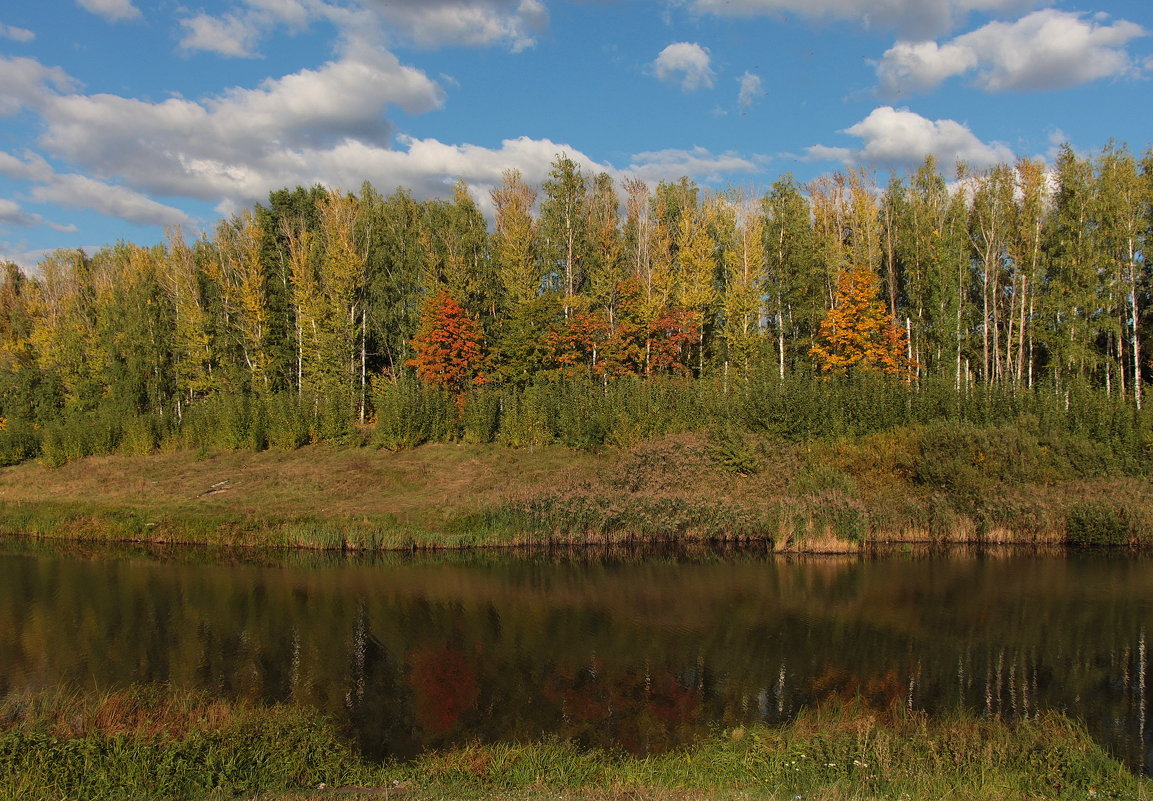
(342, 274)
(65, 336)
(192, 340)
(239, 275)
(514, 242)
(859, 333)
(744, 261)
(307, 304)
(16, 321)
(696, 289)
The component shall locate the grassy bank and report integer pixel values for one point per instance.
(149, 743)
(938, 482)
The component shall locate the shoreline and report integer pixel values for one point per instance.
(838, 497)
(119, 526)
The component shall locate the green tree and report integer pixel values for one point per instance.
(564, 228)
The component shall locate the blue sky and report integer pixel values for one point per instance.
(121, 117)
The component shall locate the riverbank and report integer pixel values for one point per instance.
(152, 743)
(918, 484)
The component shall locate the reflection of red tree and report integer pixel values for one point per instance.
(644, 712)
(444, 687)
(673, 702)
(884, 692)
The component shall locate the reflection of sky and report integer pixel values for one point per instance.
(633, 653)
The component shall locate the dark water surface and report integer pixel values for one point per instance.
(636, 651)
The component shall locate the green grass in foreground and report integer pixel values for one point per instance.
(148, 743)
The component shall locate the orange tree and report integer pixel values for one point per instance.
(449, 345)
(858, 332)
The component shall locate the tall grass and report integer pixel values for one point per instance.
(832, 753)
(155, 743)
(151, 743)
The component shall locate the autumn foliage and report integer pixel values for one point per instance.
(859, 332)
(449, 345)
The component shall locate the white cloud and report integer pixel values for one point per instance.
(235, 143)
(425, 23)
(25, 82)
(686, 63)
(293, 13)
(899, 138)
(700, 163)
(111, 10)
(237, 33)
(916, 18)
(82, 192)
(326, 125)
(1047, 49)
(751, 89)
(921, 66)
(227, 36)
(21, 256)
(431, 23)
(12, 214)
(16, 34)
(34, 169)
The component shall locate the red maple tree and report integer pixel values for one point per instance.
(449, 345)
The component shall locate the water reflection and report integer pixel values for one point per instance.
(639, 652)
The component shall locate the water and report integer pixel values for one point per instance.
(635, 651)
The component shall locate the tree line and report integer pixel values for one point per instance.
(1018, 277)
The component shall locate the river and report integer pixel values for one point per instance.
(640, 651)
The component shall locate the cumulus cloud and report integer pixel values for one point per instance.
(226, 36)
(751, 89)
(232, 144)
(431, 23)
(16, 34)
(81, 192)
(699, 163)
(686, 63)
(11, 213)
(1047, 49)
(921, 66)
(914, 18)
(237, 33)
(325, 125)
(111, 10)
(424, 23)
(34, 168)
(899, 138)
(25, 82)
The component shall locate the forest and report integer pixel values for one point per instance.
(591, 313)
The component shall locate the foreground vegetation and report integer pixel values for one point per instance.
(152, 743)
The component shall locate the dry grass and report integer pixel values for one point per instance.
(423, 487)
(829, 498)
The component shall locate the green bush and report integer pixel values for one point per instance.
(409, 414)
(1099, 523)
(18, 442)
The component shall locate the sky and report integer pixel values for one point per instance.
(120, 118)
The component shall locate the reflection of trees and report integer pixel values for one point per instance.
(640, 654)
(444, 687)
